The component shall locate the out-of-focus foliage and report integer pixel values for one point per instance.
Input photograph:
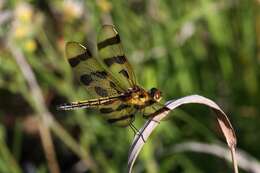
(205, 47)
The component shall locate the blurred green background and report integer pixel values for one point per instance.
(205, 47)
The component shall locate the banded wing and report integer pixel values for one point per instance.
(100, 84)
(152, 109)
(119, 113)
(110, 52)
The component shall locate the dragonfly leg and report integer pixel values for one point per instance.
(136, 132)
(158, 122)
(143, 114)
(147, 116)
(153, 119)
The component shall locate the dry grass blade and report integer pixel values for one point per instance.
(150, 125)
(48, 123)
(38, 100)
(246, 162)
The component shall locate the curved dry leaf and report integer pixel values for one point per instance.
(246, 162)
(153, 122)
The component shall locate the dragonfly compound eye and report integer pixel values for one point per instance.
(156, 94)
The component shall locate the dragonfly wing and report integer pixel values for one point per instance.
(118, 113)
(152, 110)
(100, 84)
(89, 72)
(111, 54)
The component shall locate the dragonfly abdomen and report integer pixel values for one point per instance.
(86, 104)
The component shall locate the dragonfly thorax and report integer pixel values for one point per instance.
(140, 97)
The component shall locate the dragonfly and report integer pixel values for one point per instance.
(110, 81)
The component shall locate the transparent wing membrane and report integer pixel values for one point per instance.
(112, 56)
(98, 82)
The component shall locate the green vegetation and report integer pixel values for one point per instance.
(205, 47)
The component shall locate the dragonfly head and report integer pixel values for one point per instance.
(155, 94)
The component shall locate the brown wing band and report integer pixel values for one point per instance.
(109, 41)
